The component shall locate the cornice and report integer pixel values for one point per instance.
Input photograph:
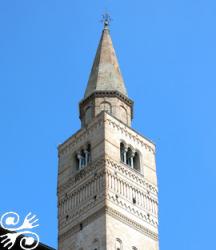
(107, 94)
(99, 94)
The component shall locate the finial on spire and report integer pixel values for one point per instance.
(106, 19)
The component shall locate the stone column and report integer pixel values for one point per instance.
(125, 154)
(79, 157)
(132, 158)
(86, 156)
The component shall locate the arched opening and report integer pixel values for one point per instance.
(77, 161)
(136, 162)
(88, 153)
(129, 157)
(122, 152)
(83, 157)
(106, 106)
(123, 115)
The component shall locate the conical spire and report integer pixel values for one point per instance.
(105, 74)
(106, 91)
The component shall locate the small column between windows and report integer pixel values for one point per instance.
(125, 154)
(129, 156)
(132, 158)
(83, 156)
(79, 157)
(86, 156)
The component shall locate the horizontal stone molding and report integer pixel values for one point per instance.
(107, 94)
(113, 213)
(91, 169)
(84, 134)
(75, 228)
(85, 210)
(100, 165)
(119, 216)
(143, 215)
(132, 174)
(79, 195)
(124, 189)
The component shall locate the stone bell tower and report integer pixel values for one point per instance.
(107, 183)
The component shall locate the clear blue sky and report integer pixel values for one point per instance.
(167, 54)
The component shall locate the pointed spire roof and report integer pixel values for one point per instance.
(105, 74)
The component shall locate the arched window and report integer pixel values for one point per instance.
(83, 157)
(123, 114)
(129, 156)
(122, 152)
(77, 160)
(118, 244)
(88, 149)
(106, 106)
(137, 162)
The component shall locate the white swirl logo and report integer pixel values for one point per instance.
(10, 221)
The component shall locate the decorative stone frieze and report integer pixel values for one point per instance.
(85, 173)
(132, 174)
(133, 210)
(131, 223)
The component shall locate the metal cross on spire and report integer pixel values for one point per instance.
(106, 19)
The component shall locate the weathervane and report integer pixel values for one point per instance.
(106, 19)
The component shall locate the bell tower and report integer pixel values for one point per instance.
(107, 183)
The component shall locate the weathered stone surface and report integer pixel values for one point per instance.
(121, 108)
(100, 197)
(105, 74)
